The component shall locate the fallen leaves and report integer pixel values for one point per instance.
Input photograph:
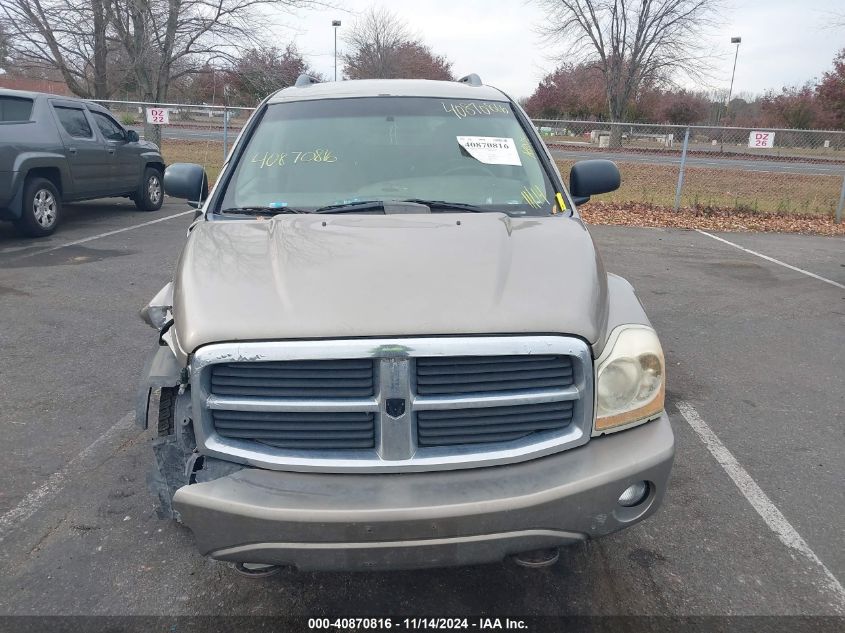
(707, 218)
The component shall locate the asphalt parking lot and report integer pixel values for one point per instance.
(752, 523)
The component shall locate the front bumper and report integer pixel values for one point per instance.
(320, 521)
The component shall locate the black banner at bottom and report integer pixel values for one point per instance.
(533, 624)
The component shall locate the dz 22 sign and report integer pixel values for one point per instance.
(761, 139)
(158, 116)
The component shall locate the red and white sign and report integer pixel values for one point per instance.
(761, 139)
(158, 116)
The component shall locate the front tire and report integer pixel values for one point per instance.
(42, 208)
(150, 195)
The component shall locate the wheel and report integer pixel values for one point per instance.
(42, 208)
(168, 472)
(167, 411)
(150, 195)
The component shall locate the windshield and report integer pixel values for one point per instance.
(311, 154)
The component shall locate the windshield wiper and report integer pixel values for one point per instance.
(443, 205)
(261, 210)
(352, 207)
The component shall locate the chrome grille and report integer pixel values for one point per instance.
(492, 374)
(392, 404)
(452, 427)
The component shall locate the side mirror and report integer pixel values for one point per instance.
(132, 136)
(590, 177)
(187, 181)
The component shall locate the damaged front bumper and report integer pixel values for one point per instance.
(317, 521)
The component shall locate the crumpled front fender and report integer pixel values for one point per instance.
(156, 313)
(162, 370)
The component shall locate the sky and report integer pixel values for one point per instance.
(784, 42)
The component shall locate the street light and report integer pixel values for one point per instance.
(737, 41)
(335, 24)
(734, 40)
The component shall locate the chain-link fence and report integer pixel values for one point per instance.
(774, 170)
(190, 133)
(771, 170)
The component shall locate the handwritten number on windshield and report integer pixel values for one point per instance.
(282, 159)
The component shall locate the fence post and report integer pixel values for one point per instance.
(225, 133)
(838, 218)
(680, 186)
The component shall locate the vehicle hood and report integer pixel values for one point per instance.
(339, 276)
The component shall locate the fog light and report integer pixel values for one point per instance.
(634, 494)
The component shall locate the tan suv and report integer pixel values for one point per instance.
(390, 342)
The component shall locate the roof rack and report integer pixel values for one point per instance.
(305, 80)
(472, 79)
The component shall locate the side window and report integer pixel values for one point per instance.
(74, 122)
(15, 109)
(111, 130)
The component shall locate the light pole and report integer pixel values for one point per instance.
(335, 24)
(737, 41)
(734, 40)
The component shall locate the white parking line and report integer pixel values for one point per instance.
(774, 261)
(36, 499)
(758, 499)
(101, 235)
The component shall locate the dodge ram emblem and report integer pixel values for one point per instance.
(395, 407)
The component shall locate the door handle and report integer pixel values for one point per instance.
(72, 150)
(111, 150)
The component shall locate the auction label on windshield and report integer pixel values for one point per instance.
(491, 150)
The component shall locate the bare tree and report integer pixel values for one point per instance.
(5, 40)
(633, 42)
(168, 39)
(380, 45)
(69, 36)
(259, 71)
(159, 41)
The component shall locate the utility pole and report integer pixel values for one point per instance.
(335, 24)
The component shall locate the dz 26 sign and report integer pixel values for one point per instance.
(158, 116)
(761, 139)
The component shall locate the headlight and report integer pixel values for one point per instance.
(630, 378)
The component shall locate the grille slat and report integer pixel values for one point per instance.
(504, 386)
(492, 374)
(306, 445)
(528, 427)
(476, 439)
(290, 416)
(290, 435)
(299, 392)
(477, 377)
(469, 423)
(345, 378)
(295, 427)
(481, 368)
(488, 360)
(292, 373)
(493, 424)
(484, 412)
(310, 383)
(299, 430)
